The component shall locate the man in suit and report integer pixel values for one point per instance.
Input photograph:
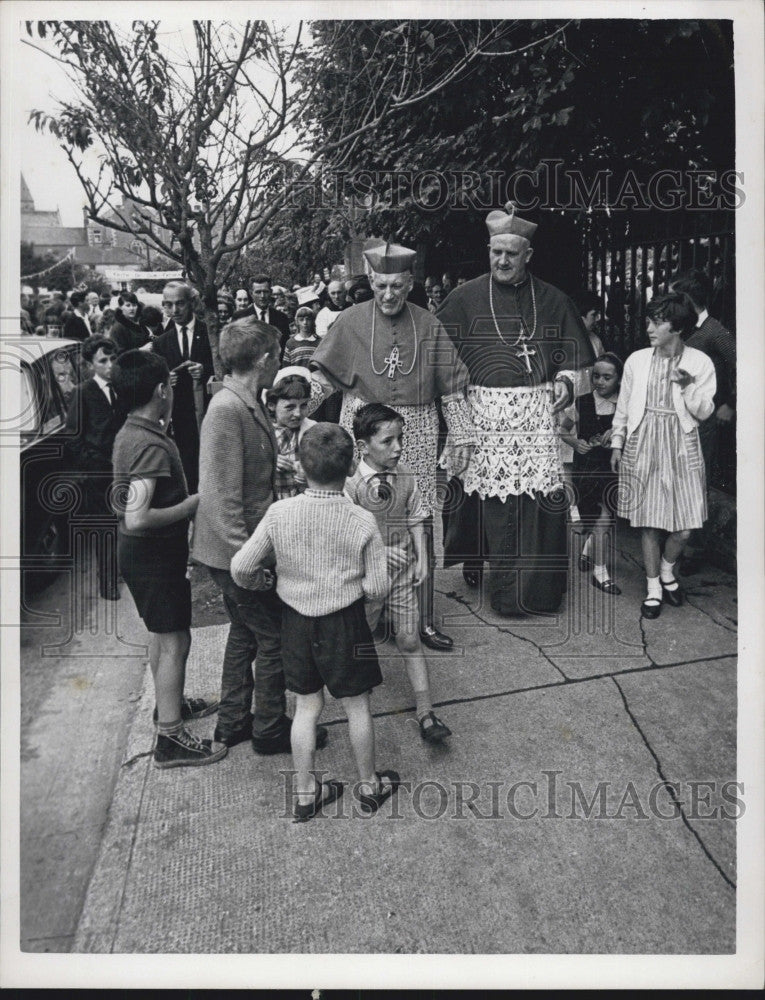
(186, 348)
(263, 310)
(76, 322)
(93, 419)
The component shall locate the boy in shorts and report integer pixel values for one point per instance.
(329, 558)
(153, 510)
(389, 491)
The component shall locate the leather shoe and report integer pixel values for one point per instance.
(235, 736)
(673, 597)
(281, 743)
(607, 586)
(434, 639)
(650, 610)
(585, 564)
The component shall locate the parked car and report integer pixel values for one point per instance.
(50, 369)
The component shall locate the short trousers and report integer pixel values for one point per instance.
(154, 570)
(335, 651)
(401, 605)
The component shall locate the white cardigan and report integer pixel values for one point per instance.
(692, 404)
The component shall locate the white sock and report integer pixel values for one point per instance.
(667, 574)
(587, 546)
(601, 573)
(574, 513)
(654, 589)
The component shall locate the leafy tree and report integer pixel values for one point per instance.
(201, 129)
(597, 95)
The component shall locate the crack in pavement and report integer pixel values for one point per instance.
(673, 795)
(454, 596)
(387, 713)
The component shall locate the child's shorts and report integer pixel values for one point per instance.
(335, 650)
(154, 570)
(401, 605)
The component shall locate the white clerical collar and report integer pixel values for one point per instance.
(703, 317)
(366, 472)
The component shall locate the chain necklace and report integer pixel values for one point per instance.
(392, 362)
(522, 336)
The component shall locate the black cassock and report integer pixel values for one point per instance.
(523, 537)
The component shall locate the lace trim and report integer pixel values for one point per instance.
(456, 411)
(517, 450)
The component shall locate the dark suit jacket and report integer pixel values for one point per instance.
(275, 318)
(91, 426)
(184, 427)
(75, 328)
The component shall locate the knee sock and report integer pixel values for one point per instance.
(667, 574)
(654, 588)
(422, 702)
(587, 546)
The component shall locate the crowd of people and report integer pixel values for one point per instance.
(313, 465)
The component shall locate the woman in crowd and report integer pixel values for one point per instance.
(128, 331)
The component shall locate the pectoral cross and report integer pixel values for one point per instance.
(525, 353)
(394, 363)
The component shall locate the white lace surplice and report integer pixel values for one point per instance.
(517, 449)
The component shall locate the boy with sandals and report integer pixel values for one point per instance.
(389, 491)
(329, 560)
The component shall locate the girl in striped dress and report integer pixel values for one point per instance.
(666, 390)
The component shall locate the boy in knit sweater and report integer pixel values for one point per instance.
(389, 491)
(329, 559)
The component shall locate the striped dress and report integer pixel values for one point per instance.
(661, 477)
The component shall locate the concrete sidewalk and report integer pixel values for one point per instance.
(545, 826)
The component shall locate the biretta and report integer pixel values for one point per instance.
(509, 223)
(390, 258)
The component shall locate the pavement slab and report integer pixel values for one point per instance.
(688, 718)
(207, 860)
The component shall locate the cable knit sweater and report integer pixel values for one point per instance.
(328, 552)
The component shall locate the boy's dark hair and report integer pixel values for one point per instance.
(77, 298)
(585, 301)
(612, 359)
(326, 453)
(290, 387)
(151, 316)
(695, 284)
(244, 341)
(135, 376)
(92, 345)
(367, 419)
(260, 279)
(676, 309)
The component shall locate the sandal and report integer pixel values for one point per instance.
(436, 731)
(326, 792)
(371, 803)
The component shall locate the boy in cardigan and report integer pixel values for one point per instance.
(329, 558)
(389, 491)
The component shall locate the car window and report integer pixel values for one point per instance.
(29, 418)
(47, 386)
